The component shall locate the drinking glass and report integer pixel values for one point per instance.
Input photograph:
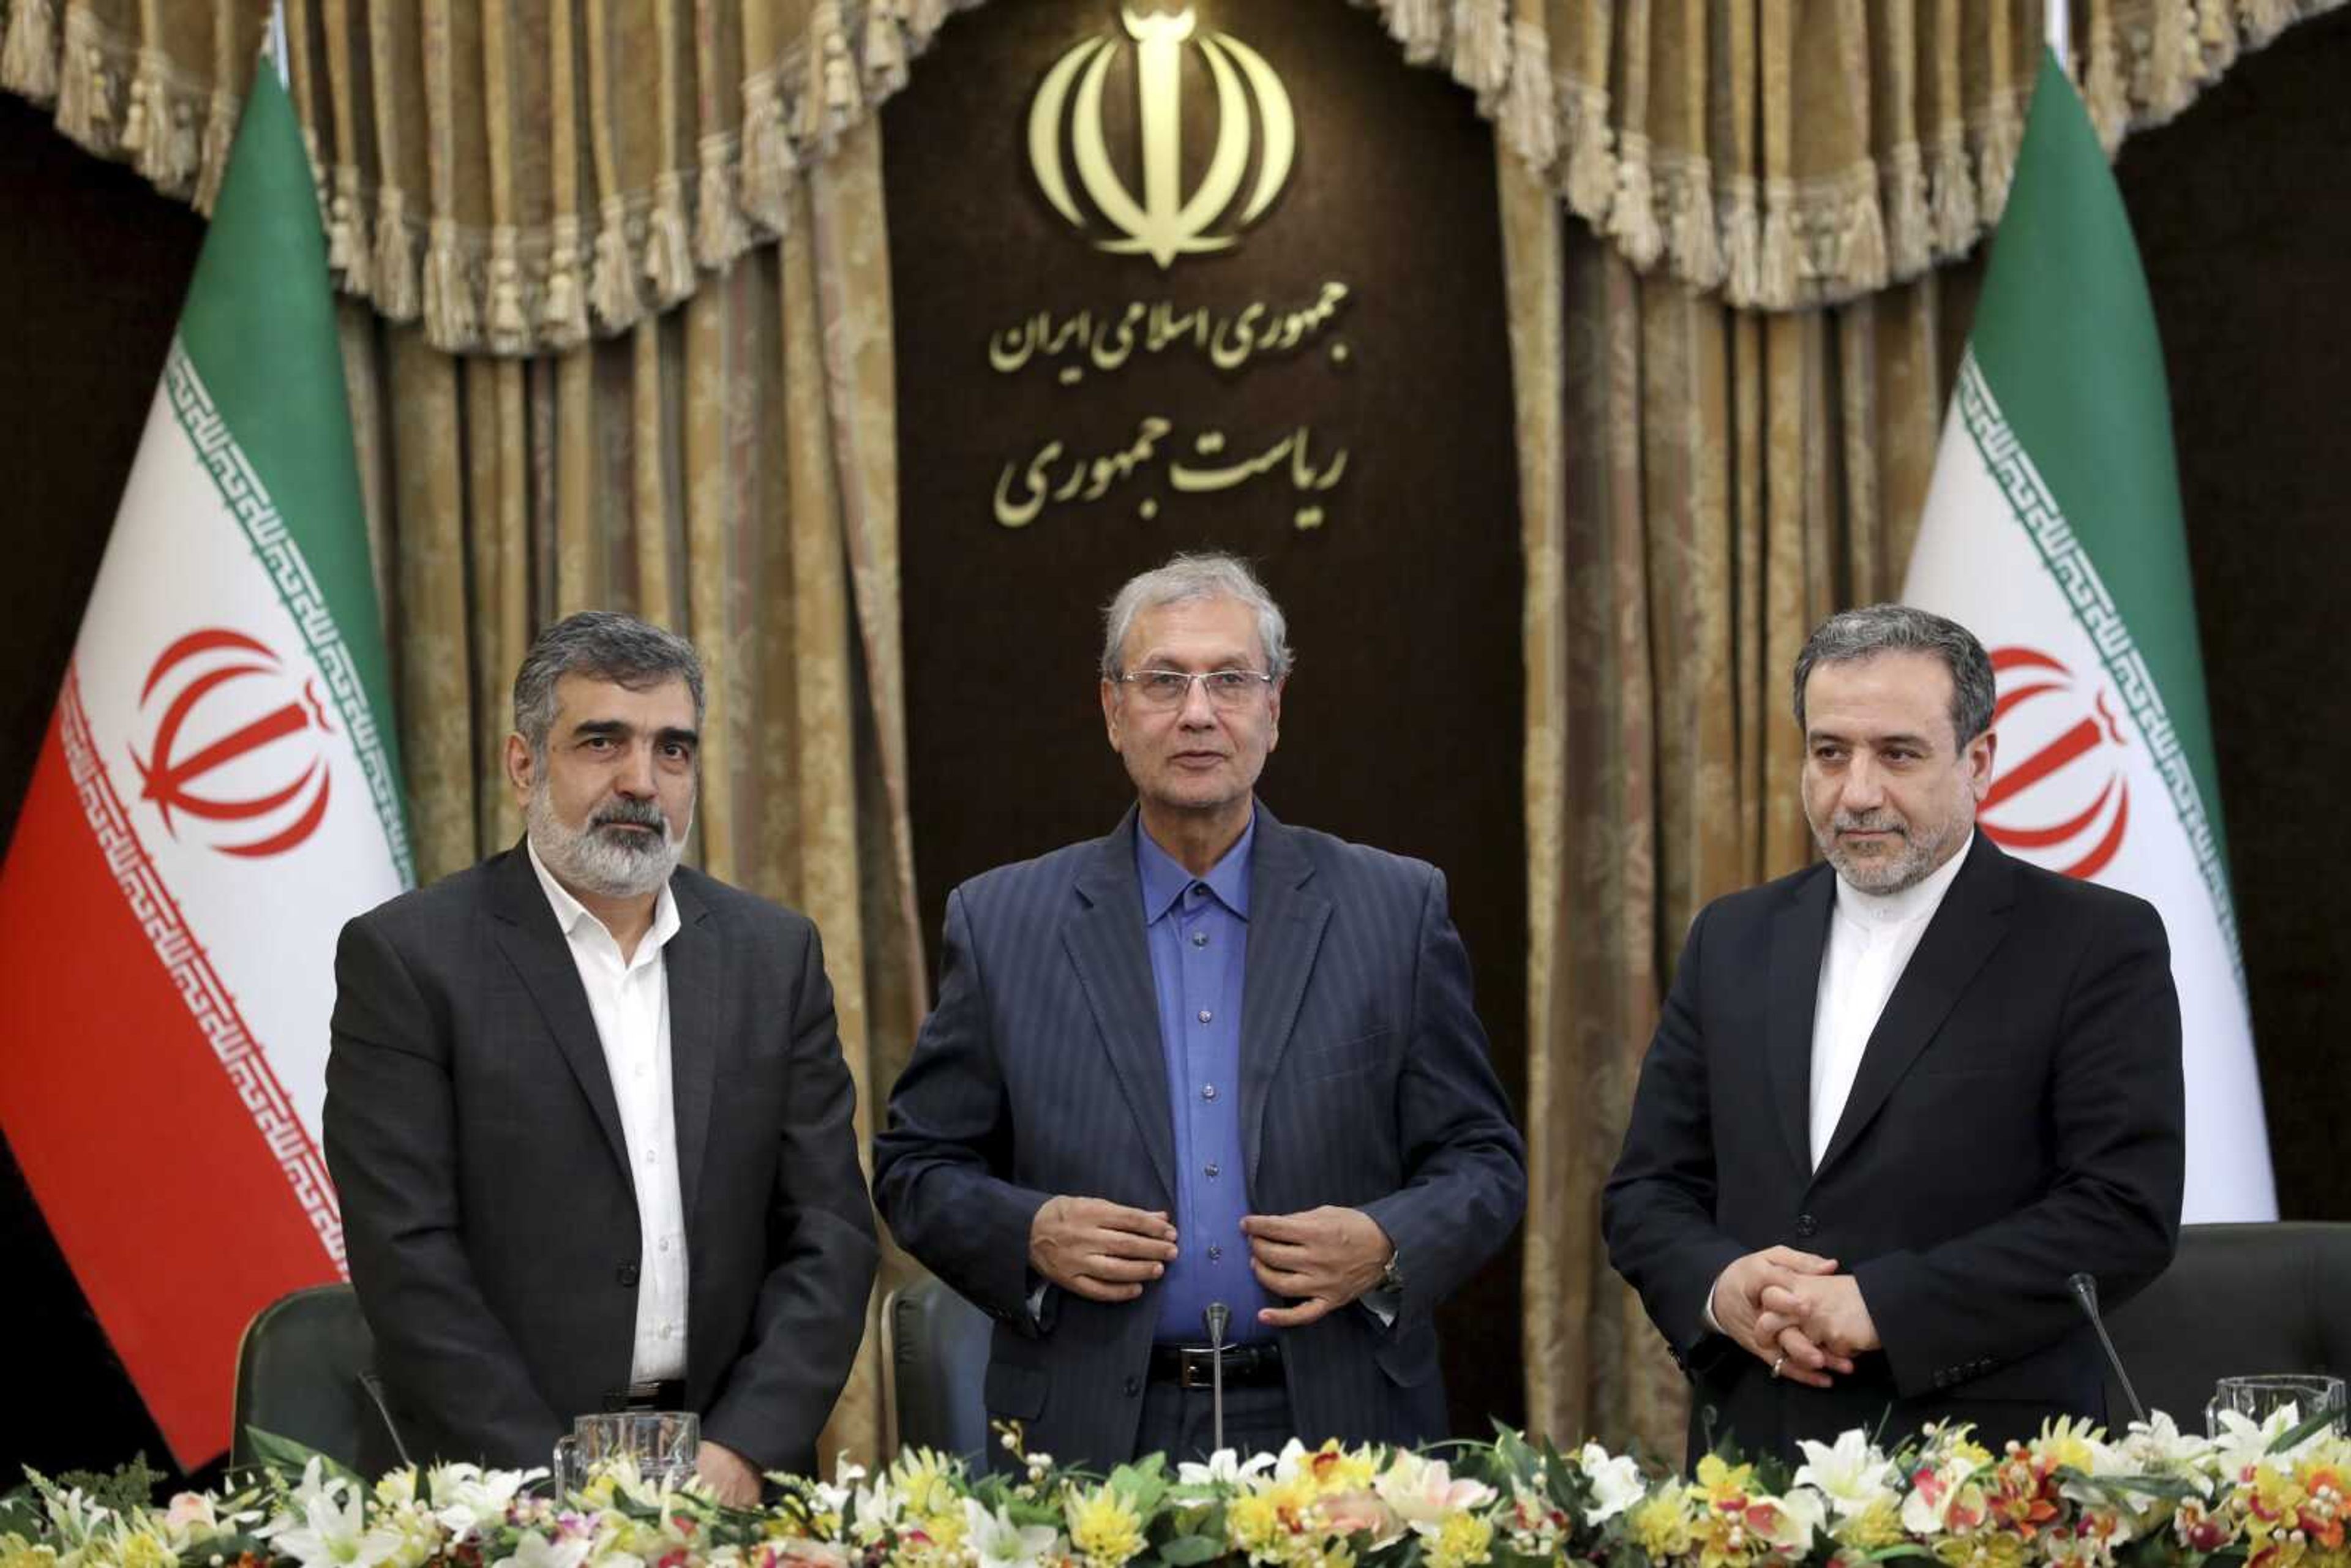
(2257, 1398)
(660, 1443)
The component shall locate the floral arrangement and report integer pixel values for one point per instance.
(2272, 1495)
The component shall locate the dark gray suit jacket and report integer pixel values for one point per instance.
(1365, 1082)
(2016, 1117)
(492, 1222)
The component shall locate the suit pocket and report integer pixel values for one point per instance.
(1342, 1058)
(1015, 1390)
(1409, 1359)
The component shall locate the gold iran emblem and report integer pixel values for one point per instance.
(1164, 220)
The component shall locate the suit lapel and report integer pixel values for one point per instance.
(534, 944)
(1285, 929)
(1105, 943)
(694, 966)
(1969, 925)
(1799, 941)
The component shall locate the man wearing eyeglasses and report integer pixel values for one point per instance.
(1210, 1066)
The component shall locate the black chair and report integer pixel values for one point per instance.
(305, 1370)
(2237, 1298)
(935, 1344)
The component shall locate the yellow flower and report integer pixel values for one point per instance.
(925, 1481)
(16, 1551)
(1103, 1527)
(1875, 1527)
(1987, 1549)
(1333, 1468)
(1720, 1482)
(1462, 1541)
(1659, 1527)
(144, 1549)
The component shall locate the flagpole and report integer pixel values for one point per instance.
(2058, 33)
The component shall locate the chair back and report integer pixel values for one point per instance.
(2237, 1298)
(305, 1370)
(935, 1345)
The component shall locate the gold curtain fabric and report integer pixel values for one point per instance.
(513, 175)
(728, 470)
(1791, 155)
(1701, 485)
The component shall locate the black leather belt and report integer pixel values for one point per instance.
(667, 1395)
(1191, 1365)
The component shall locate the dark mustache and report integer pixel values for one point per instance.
(633, 813)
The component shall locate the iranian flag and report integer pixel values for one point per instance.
(218, 791)
(2053, 532)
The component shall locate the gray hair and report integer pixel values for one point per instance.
(1185, 580)
(605, 645)
(1850, 635)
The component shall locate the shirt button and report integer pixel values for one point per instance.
(1207, 1091)
(1133, 1387)
(1199, 938)
(1207, 1017)
(664, 1244)
(626, 1274)
(1215, 1254)
(1210, 1170)
(653, 1157)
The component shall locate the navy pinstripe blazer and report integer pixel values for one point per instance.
(1365, 1082)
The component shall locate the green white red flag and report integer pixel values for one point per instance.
(2053, 532)
(218, 791)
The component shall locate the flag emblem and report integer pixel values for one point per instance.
(203, 675)
(2061, 791)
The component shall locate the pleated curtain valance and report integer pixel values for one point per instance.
(522, 173)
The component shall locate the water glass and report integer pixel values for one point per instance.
(2257, 1398)
(661, 1445)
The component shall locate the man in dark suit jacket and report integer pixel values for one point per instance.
(1208, 1060)
(1896, 1101)
(587, 1111)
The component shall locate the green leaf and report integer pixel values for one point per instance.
(286, 1458)
(1186, 1551)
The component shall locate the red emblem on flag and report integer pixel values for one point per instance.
(2067, 796)
(233, 718)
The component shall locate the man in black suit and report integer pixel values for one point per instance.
(1896, 1101)
(587, 1111)
(1208, 1061)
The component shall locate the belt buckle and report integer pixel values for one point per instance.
(1195, 1368)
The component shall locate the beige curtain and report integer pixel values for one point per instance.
(1790, 154)
(1701, 485)
(726, 470)
(513, 175)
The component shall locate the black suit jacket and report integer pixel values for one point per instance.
(2016, 1118)
(492, 1222)
(1365, 1082)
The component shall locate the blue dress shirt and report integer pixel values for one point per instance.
(1198, 930)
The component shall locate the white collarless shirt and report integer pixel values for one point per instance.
(630, 1002)
(1871, 938)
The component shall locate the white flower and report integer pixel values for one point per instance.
(1423, 1491)
(327, 1528)
(533, 1550)
(2158, 1445)
(1224, 1468)
(999, 1543)
(467, 1498)
(1850, 1474)
(1800, 1516)
(1285, 1465)
(1617, 1483)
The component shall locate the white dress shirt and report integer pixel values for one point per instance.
(1871, 938)
(629, 999)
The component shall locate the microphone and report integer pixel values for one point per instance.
(1215, 1319)
(2086, 1296)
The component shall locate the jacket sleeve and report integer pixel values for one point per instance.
(1657, 1210)
(391, 1137)
(821, 1253)
(1465, 1164)
(2115, 1105)
(939, 1165)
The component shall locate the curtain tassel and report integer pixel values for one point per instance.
(1776, 285)
(1420, 27)
(669, 261)
(510, 325)
(719, 233)
(2102, 81)
(1591, 161)
(1860, 241)
(1996, 164)
(1911, 250)
(613, 288)
(769, 169)
(1742, 259)
(830, 104)
(1528, 114)
(84, 101)
(886, 50)
(563, 307)
(924, 20)
(1481, 47)
(1952, 198)
(2265, 19)
(1633, 221)
(211, 161)
(28, 58)
(346, 237)
(1691, 241)
(450, 321)
(395, 258)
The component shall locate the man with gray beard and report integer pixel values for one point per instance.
(1894, 1102)
(587, 1111)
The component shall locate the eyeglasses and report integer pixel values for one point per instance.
(1172, 689)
